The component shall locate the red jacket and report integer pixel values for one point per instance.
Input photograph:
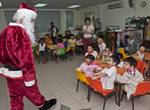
(16, 51)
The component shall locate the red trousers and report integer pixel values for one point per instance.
(17, 90)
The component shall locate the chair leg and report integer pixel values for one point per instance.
(89, 93)
(122, 96)
(119, 95)
(77, 85)
(132, 103)
(116, 98)
(104, 103)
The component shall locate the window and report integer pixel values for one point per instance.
(69, 19)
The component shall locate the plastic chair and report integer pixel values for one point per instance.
(142, 66)
(122, 51)
(81, 77)
(97, 86)
(61, 53)
(143, 88)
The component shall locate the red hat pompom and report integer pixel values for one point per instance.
(25, 6)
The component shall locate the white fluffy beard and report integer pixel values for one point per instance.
(29, 26)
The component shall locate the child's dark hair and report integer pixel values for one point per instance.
(87, 19)
(119, 55)
(141, 45)
(59, 40)
(46, 34)
(132, 61)
(42, 39)
(89, 56)
(91, 46)
(100, 37)
(115, 59)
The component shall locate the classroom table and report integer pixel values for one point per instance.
(120, 71)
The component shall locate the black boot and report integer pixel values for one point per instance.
(48, 104)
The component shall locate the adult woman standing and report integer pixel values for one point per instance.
(53, 32)
(88, 31)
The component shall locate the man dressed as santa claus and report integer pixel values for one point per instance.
(17, 59)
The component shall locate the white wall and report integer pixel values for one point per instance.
(63, 26)
(2, 19)
(95, 9)
(116, 16)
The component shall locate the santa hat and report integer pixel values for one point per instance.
(25, 10)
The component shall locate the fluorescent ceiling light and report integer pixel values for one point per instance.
(40, 5)
(0, 4)
(74, 6)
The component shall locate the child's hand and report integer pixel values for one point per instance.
(93, 78)
(97, 74)
(96, 70)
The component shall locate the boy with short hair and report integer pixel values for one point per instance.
(131, 78)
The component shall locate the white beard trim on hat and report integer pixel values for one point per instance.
(27, 16)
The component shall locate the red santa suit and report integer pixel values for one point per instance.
(16, 54)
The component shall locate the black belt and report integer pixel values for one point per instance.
(11, 68)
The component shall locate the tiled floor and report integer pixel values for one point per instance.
(58, 80)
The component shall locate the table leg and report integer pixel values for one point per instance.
(119, 94)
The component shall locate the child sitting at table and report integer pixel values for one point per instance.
(65, 43)
(101, 45)
(88, 66)
(108, 74)
(139, 55)
(131, 78)
(60, 45)
(42, 50)
(106, 54)
(72, 45)
(121, 64)
(91, 51)
(48, 41)
(80, 46)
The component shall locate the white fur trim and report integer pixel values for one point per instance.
(29, 83)
(11, 74)
(27, 12)
(16, 24)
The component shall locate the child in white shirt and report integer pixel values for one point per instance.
(106, 54)
(139, 55)
(42, 50)
(107, 75)
(90, 50)
(131, 78)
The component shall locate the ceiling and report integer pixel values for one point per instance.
(53, 4)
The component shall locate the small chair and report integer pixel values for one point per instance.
(97, 86)
(142, 66)
(81, 77)
(143, 88)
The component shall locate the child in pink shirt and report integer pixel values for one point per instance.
(88, 67)
(60, 43)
